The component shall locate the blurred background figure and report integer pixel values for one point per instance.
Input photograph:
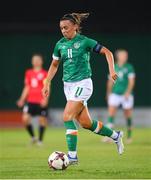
(121, 93)
(31, 98)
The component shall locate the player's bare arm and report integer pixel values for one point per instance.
(24, 94)
(110, 60)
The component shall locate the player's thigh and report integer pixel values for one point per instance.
(26, 117)
(42, 112)
(128, 113)
(72, 109)
(112, 110)
(84, 118)
(43, 120)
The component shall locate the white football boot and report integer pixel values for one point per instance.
(119, 142)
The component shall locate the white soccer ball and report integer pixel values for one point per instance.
(58, 160)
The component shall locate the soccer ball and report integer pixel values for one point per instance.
(58, 160)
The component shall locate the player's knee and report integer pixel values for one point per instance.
(68, 116)
(26, 119)
(43, 121)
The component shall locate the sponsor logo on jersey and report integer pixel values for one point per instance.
(63, 47)
(120, 74)
(76, 45)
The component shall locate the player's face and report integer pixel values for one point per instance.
(68, 29)
(122, 57)
(37, 61)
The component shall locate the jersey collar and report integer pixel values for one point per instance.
(77, 35)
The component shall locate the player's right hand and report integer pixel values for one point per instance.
(20, 103)
(46, 91)
(114, 77)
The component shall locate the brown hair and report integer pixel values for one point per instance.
(76, 18)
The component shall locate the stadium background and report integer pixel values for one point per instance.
(28, 27)
(32, 26)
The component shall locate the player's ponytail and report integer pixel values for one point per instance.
(76, 18)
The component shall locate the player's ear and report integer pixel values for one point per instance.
(76, 27)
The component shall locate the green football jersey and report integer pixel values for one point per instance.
(75, 55)
(124, 73)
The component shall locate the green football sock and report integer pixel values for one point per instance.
(98, 128)
(111, 119)
(129, 127)
(71, 135)
(105, 131)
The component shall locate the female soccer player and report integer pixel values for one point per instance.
(35, 105)
(121, 93)
(74, 51)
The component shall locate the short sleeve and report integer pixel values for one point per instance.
(91, 43)
(131, 72)
(27, 78)
(56, 53)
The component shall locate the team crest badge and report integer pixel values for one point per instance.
(76, 45)
(63, 47)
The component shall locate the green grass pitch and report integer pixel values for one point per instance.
(97, 160)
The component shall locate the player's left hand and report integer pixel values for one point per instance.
(20, 103)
